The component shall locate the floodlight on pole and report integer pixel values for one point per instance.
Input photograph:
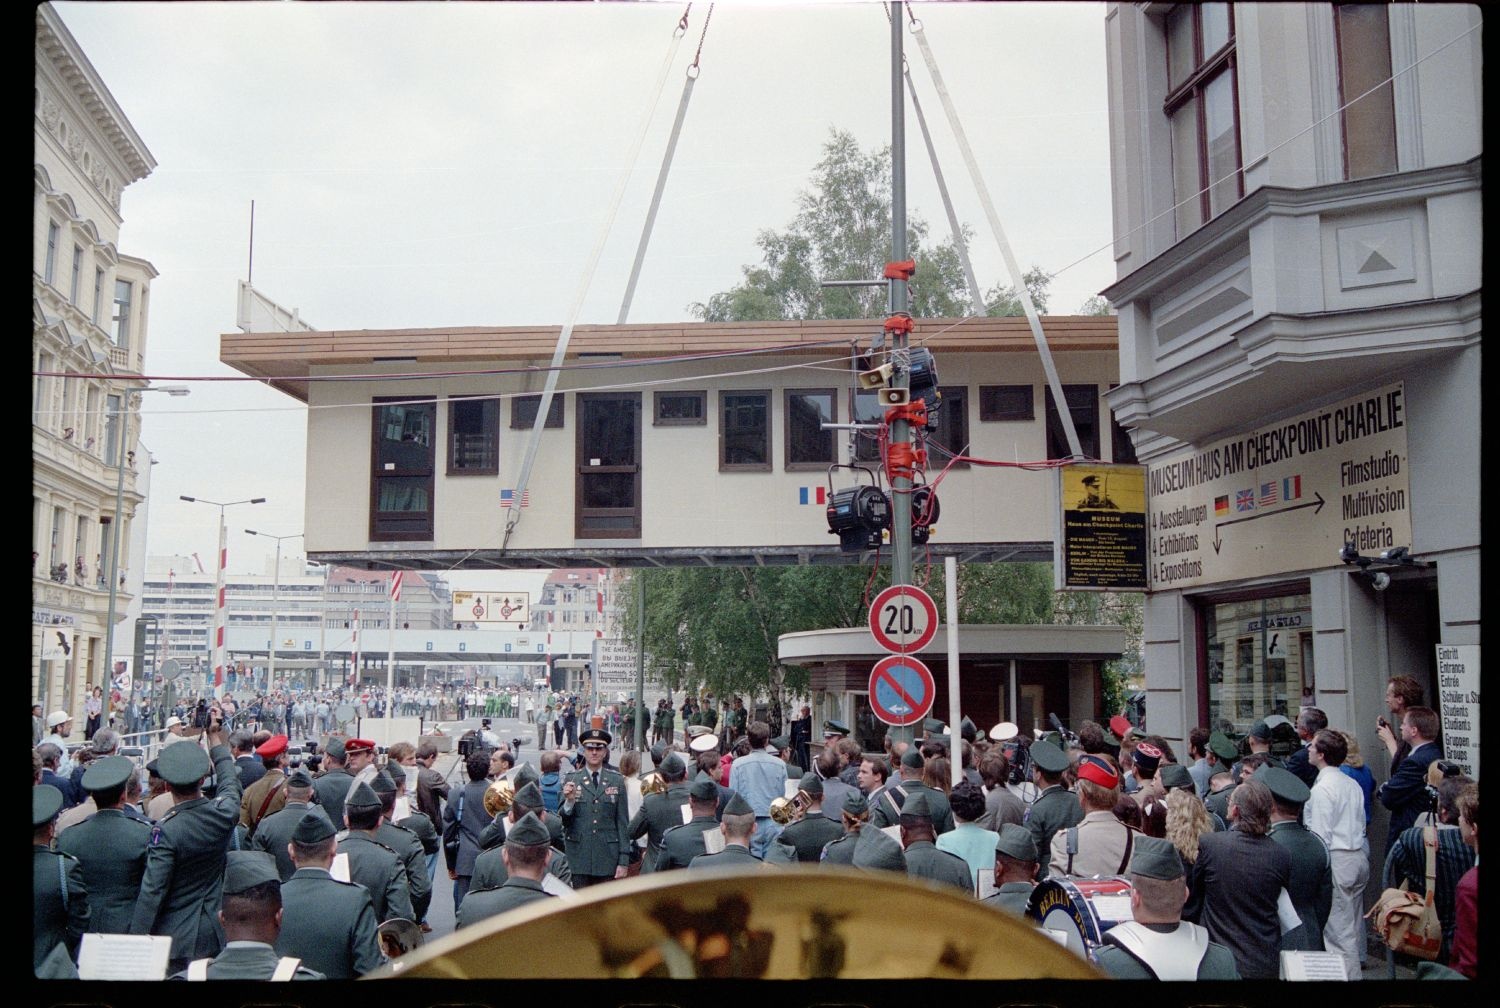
(275, 595)
(220, 614)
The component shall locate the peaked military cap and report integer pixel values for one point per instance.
(1016, 841)
(738, 806)
(595, 736)
(876, 850)
(362, 797)
(672, 765)
(358, 745)
(313, 827)
(106, 773)
(912, 758)
(382, 784)
(1154, 857)
(916, 807)
(273, 746)
(183, 764)
(811, 783)
(245, 869)
(1049, 757)
(528, 796)
(1284, 784)
(1222, 746)
(704, 742)
(1175, 775)
(703, 787)
(528, 832)
(694, 730)
(46, 803)
(855, 804)
(834, 727)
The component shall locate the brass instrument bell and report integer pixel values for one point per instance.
(653, 783)
(785, 811)
(498, 797)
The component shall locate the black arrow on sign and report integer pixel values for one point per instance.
(1316, 505)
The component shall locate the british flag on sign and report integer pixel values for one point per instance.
(1244, 500)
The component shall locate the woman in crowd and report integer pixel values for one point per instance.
(93, 709)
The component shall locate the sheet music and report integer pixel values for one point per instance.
(1115, 908)
(713, 841)
(1313, 966)
(791, 789)
(687, 813)
(1286, 913)
(985, 886)
(123, 957)
(340, 867)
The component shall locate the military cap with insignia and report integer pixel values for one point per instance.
(694, 730)
(704, 742)
(382, 784)
(855, 804)
(358, 745)
(245, 869)
(362, 797)
(273, 746)
(1285, 785)
(1154, 857)
(1016, 841)
(1222, 746)
(834, 727)
(916, 807)
(183, 764)
(528, 796)
(738, 806)
(1097, 770)
(1049, 757)
(912, 758)
(106, 773)
(703, 787)
(528, 832)
(672, 765)
(595, 736)
(811, 783)
(313, 827)
(46, 803)
(876, 850)
(1175, 775)
(1147, 758)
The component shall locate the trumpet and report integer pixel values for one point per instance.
(498, 797)
(653, 783)
(785, 811)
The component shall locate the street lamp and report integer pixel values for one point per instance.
(275, 593)
(219, 612)
(121, 422)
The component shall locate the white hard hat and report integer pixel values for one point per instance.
(57, 717)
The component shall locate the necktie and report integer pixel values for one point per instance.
(596, 778)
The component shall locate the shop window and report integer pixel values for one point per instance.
(1258, 659)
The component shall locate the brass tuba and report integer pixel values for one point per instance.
(785, 811)
(652, 783)
(498, 796)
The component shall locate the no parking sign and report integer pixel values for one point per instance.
(901, 690)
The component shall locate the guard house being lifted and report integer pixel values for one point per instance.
(666, 444)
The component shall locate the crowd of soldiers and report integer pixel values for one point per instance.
(1205, 847)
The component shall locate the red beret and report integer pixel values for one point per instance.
(355, 745)
(273, 746)
(1120, 725)
(1092, 768)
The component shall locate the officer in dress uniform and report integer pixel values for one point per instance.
(371, 863)
(110, 847)
(661, 811)
(853, 817)
(275, 831)
(595, 816)
(524, 853)
(268, 793)
(330, 925)
(815, 830)
(681, 843)
(1055, 806)
(737, 825)
(406, 844)
(59, 897)
(1015, 870)
(185, 863)
(250, 913)
(1157, 944)
(924, 860)
(1311, 886)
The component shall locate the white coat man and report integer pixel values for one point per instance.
(1336, 813)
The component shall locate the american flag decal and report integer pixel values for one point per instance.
(1269, 493)
(508, 498)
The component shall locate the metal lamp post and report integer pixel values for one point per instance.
(220, 615)
(121, 422)
(275, 595)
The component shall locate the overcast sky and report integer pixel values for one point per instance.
(417, 165)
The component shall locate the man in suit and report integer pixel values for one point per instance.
(661, 811)
(109, 846)
(242, 744)
(185, 863)
(1309, 722)
(250, 913)
(524, 854)
(371, 863)
(1311, 887)
(52, 754)
(328, 924)
(1405, 794)
(814, 831)
(595, 817)
(59, 898)
(275, 831)
(681, 843)
(1401, 693)
(923, 858)
(738, 824)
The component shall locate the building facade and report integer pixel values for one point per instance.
(89, 310)
(1297, 218)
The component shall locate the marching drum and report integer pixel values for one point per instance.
(1080, 910)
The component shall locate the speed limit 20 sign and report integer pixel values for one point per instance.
(903, 619)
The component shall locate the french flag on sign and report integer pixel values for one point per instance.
(812, 495)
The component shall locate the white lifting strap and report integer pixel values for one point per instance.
(286, 968)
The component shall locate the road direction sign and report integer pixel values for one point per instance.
(903, 619)
(901, 690)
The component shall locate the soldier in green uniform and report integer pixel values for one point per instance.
(405, 843)
(275, 831)
(332, 785)
(708, 717)
(876, 851)
(1157, 944)
(1055, 806)
(489, 867)
(854, 815)
(627, 725)
(1311, 886)
(110, 847)
(887, 811)
(1015, 870)
(661, 811)
(814, 831)
(524, 853)
(683, 842)
(250, 912)
(371, 863)
(737, 825)
(595, 817)
(924, 859)
(59, 898)
(185, 863)
(735, 720)
(330, 925)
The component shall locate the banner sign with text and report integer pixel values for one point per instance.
(1458, 704)
(1285, 497)
(1101, 543)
